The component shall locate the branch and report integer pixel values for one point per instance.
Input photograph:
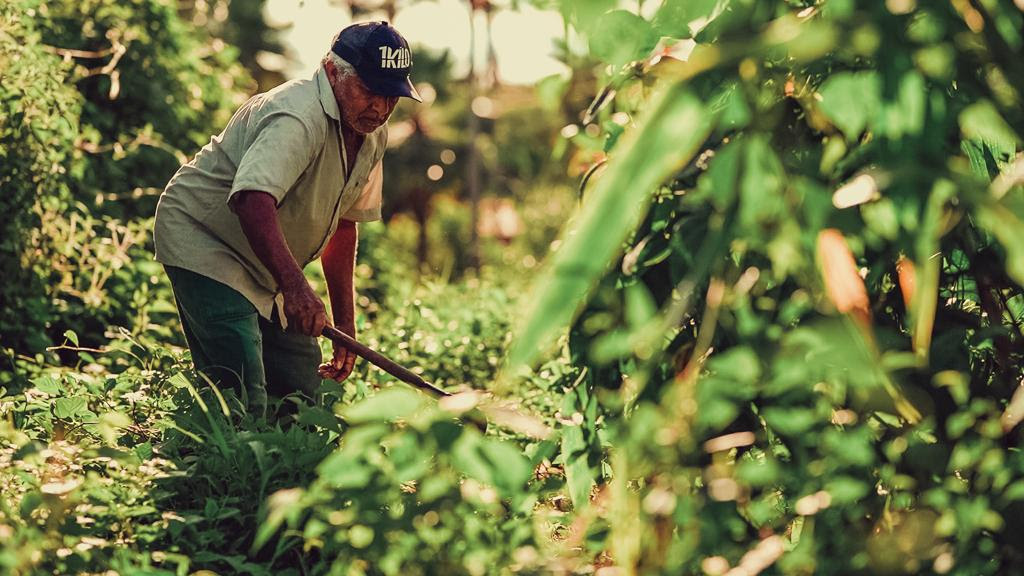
(69, 53)
(117, 51)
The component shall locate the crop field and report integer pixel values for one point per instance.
(739, 291)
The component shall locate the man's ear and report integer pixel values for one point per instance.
(330, 68)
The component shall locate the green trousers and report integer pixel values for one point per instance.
(236, 348)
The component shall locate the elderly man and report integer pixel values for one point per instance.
(282, 185)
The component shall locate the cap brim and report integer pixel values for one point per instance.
(393, 87)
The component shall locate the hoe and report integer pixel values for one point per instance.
(397, 370)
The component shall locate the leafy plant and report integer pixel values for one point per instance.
(795, 309)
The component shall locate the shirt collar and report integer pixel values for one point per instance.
(327, 94)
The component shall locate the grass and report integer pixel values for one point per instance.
(127, 463)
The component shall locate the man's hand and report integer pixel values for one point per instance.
(344, 360)
(257, 214)
(304, 309)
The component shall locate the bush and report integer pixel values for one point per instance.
(428, 497)
(800, 275)
(38, 124)
(89, 141)
(154, 89)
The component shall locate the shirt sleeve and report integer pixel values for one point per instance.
(283, 148)
(367, 207)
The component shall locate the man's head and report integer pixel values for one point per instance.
(368, 66)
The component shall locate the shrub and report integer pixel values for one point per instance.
(39, 116)
(796, 290)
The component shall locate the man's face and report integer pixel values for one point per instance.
(361, 110)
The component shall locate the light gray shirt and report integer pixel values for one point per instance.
(286, 142)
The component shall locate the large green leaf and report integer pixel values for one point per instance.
(621, 36)
(683, 18)
(584, 14)
(385, 405)
(668, 137)
(579, 475)
(851, 100)
(981, 120)
(69, 407)
(904, 114)
(761, 201)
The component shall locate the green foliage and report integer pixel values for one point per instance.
(429, 497)
(677, 124)
(99, 98)
(153, 92)
(38, 123)
(790, 305)
(79, 474)
(149, 470)
(796, 313)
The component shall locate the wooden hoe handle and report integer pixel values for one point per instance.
(383, 362)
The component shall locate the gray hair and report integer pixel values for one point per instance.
(344, 68)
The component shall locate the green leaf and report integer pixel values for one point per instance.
(715, 412)
(789, 421)
(620, 37)
(47, 384)
(111, 424)
(981, 120)
(511, 468)
(317, 416)
(719, 184)
(283, 505)
(758, 472)
(761, 201)
(1005, 221)
(850, 100)
(345, 471)
(640, 306)
(684, 18)
(69, 407)
(551, 90)
(846, 490)
(468, 459)
(360, 536)
(905, 115)
(579, 475)
(71, 336)
(386, 405)
(739, 365)
(585, 14)
(1014, 492)
(669, 136)
(881, 218)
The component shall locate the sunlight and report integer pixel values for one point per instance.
(524, 40)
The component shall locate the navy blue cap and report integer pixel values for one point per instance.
(380, 56)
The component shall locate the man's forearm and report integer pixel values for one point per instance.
(257, 212)
(339, 268)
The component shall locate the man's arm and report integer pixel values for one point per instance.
(257, 213)
(339, 260)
